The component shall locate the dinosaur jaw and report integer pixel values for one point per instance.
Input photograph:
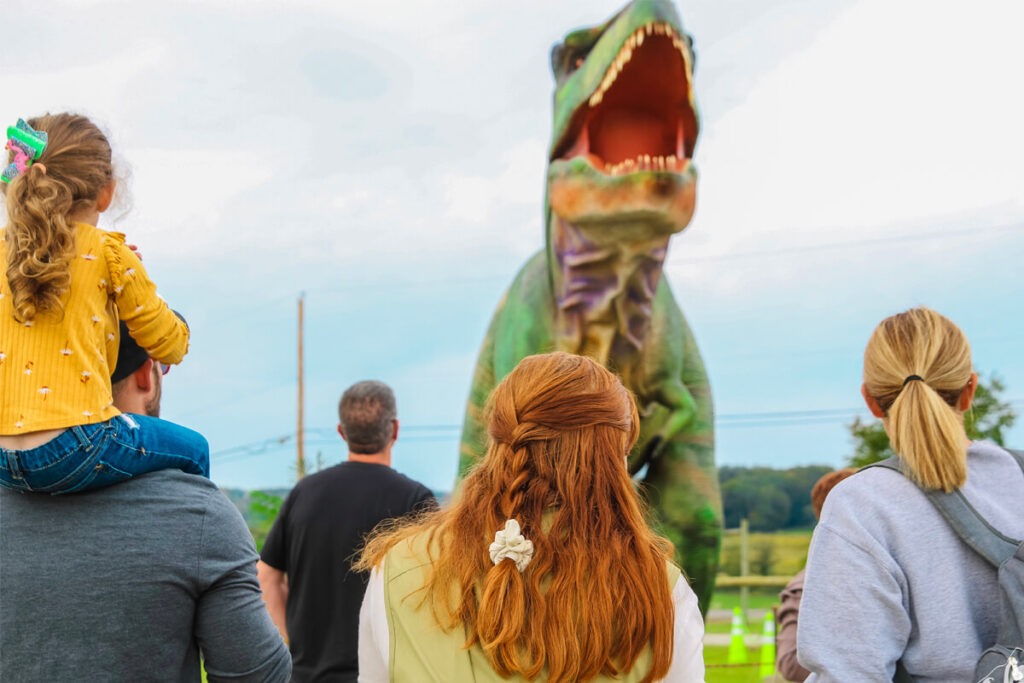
(637, 207)
(642, 115)
(626, 155)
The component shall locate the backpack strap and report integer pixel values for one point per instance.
(969, 525)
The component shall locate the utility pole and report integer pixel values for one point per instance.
(300, 464)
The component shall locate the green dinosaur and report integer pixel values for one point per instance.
(620, 183)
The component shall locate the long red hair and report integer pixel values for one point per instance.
(560, 427)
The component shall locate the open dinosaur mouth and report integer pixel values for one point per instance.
(641, 117)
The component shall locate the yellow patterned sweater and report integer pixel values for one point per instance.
(55, 370)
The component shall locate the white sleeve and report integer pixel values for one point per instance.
(687, 637)
(374, 638)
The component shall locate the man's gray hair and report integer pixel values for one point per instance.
(366, 412)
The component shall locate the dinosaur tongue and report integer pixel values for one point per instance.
(628, 137)
(628, 133)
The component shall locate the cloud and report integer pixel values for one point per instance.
(894, 119)
(179, 197)
(87, 85)
(517, 179)
(388, 158)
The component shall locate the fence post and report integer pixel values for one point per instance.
(744, 565)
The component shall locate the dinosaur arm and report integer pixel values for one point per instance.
(682, 408)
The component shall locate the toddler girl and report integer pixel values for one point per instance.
(65, 284)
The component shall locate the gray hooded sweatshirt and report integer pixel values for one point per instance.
(887, 579)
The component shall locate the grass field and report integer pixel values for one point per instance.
(760, 598)
(781, 553)
(716, 672)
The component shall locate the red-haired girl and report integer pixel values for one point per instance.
(544, 567)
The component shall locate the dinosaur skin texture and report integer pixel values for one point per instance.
(619, 184)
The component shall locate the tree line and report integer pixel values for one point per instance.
(772, 499)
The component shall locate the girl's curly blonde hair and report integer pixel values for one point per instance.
(40, 204)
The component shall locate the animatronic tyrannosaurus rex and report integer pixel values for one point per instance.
(620, 183)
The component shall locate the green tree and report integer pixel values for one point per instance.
(989, 418)
(757, 494)
(263, 510)
(797, 482)
(772, 509)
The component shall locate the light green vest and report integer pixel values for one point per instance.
(421, 651)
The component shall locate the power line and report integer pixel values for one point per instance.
(429, 432)
(826, 246)
(710, 258)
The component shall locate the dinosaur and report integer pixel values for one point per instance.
(620, 183)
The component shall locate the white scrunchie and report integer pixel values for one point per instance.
(510, 543)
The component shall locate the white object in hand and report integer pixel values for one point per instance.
(510, 543)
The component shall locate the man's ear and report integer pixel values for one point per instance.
(144, 376)
(106, 196)
(873, 406)
(341, 433)
(394, 433)
(963, 403)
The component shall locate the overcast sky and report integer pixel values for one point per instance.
(857, 157)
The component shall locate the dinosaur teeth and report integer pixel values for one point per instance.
(635, 40)
(645, 162)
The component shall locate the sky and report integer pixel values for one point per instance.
(387, 159)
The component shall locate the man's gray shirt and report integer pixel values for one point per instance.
(131, 583)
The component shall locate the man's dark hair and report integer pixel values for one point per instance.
(366, 411)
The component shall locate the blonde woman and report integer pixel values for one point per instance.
(544, 567)
(888, 581)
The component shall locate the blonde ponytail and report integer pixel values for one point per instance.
(916, 366)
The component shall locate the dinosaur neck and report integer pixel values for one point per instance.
(604, 288)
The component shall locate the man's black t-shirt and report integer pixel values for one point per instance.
(322, 524)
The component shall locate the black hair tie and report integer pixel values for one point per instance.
(911, 378)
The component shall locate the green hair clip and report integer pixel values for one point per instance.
(27, 144)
